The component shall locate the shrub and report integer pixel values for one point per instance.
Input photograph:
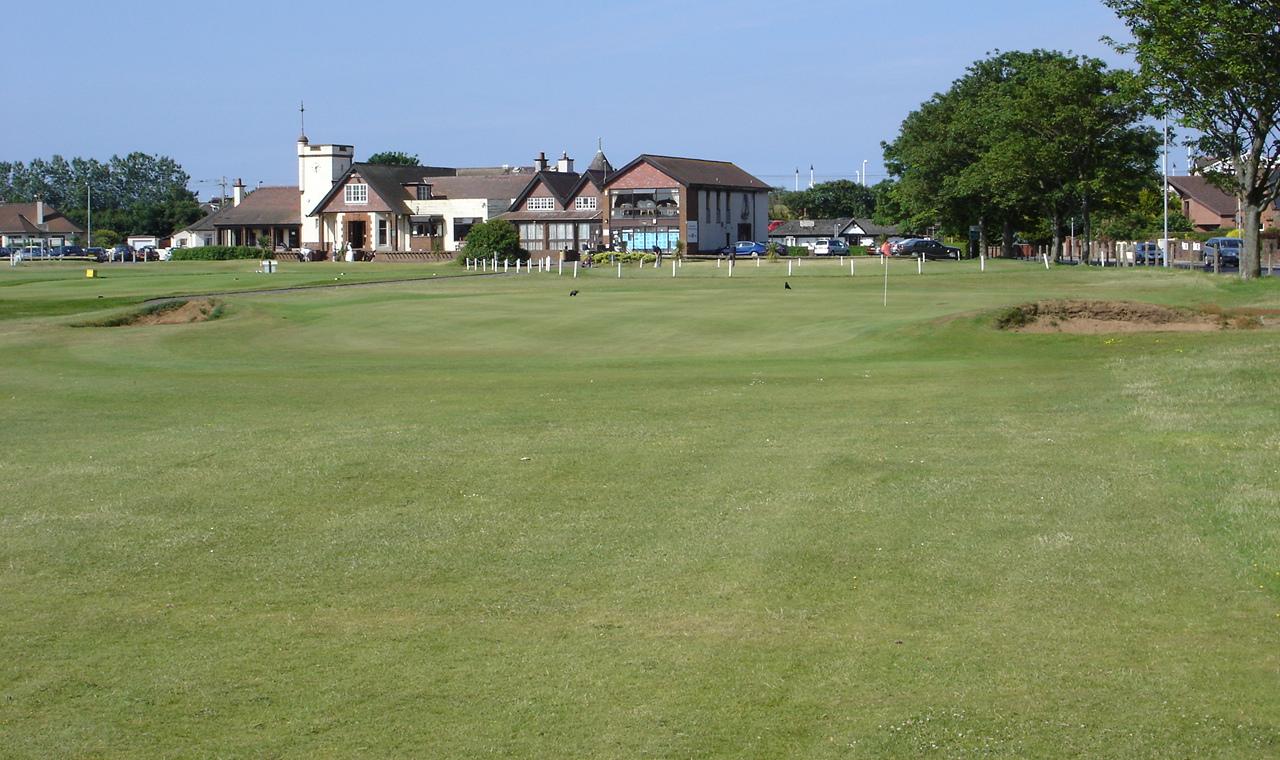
(496, 237)
(1017, 316)
(609, 257)
(219, 253)
(797, 250)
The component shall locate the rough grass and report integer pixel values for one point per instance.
(696, 517)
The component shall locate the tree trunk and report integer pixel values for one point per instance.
(1056, 220)
(1251, 242)
(1006, 239)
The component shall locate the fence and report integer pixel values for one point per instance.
(1125, 253)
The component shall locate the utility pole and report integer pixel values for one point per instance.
(1165, 194)
(864, 172)
(797, 179)
(810, 175)
(88, 191)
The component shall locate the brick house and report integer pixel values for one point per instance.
(560, 210)
(661, 200)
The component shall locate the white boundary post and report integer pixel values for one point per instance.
(789, 267)
(561, 267)
(982, 262)
(575, 270)
(619, 270)
(850, 266)
(920, 264)
(673, 267)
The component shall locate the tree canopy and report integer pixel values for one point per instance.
(134, 194)
(1023, 136)
(827, 200)
(393, 158)
(1213, 64)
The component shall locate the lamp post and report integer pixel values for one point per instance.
(1164, 244)
(88, 191)
(864, 172)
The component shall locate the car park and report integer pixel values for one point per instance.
(1225, 249)
(929, 249)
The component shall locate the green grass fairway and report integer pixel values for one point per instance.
(697, 517)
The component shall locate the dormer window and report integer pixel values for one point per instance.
(541, 204)
(585, 203)
(424, 192)
(356, 193)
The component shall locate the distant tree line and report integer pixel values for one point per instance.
(136, 194)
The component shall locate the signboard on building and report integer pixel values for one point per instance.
(691, 232)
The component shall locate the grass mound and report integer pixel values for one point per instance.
(176, 312)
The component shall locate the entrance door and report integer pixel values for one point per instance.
(744, 232)
(355, 234)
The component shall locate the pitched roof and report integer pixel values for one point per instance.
(21, 217)
(561, 185)
(386, 181)
(568, 215)
(871, 228)
(277, 205)
(504, 187)
(600, 164)
(698, 171)
(1200, 190)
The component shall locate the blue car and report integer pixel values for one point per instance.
(749, 248)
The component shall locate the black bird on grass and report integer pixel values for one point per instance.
(573, 292)
(786, 285)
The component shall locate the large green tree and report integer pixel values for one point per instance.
(1214, 64)
(828, 200)
(1021, 136)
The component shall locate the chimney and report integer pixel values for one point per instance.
(39, 212)
(540, 163)
(565, 164)
(237, 192)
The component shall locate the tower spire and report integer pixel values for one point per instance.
(302, 119)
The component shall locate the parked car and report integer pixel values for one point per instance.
(97, 253)
(1227, 248)
(830, 247)
(66, 250)
(896, 246)
(930, 249)
(120, 252)
(1148, 253)
(750, 248)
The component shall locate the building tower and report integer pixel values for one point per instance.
(319, 167)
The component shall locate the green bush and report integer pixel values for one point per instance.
(797, 250)
(609, 257)
(219, 253)
(496, 237)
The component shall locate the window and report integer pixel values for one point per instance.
(424, 192)
(541, 204)
(382, 232)
(585, 203)
(356, 193)
(531, 236)
(561, 237)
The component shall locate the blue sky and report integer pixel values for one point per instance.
(769, 85)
